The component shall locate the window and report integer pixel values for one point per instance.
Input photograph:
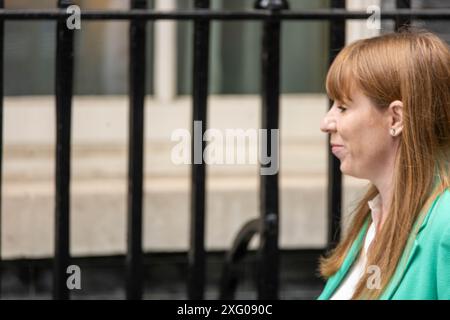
(101, 52)
(235, 48)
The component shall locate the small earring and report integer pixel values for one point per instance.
(393, 132)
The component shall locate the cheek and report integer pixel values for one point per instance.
(370, 145)
(364, 142)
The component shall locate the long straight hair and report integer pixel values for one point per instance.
(413, 67)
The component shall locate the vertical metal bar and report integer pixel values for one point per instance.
(334, 191)
(268, 252)
(63, 93)
(402, 21)
(196, 255)
(135, 154)
(2, 23)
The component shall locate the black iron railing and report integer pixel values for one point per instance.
(271, 13)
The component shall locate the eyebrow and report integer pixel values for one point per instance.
(340, 102)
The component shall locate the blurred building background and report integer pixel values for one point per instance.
(99, 149)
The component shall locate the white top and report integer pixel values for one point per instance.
(348, 285)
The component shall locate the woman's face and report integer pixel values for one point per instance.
(362, 133)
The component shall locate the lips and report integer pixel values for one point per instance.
(336, 149)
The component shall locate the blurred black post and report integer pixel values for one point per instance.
(402, 21)
(134, 274)
(63, 93)
(2, 5)
(196, 255)
(334, 192)
(268, 253)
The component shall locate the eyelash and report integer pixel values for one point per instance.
(341, 108)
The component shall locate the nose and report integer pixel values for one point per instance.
(328, 123)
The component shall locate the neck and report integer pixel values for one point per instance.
(384, 184)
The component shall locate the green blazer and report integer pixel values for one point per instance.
(423, 272)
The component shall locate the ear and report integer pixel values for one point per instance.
(395, 114)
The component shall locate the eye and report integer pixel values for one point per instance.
(341, 108)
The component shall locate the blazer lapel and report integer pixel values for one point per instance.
(411, 249)
(336, 279)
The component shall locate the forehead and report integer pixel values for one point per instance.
(357, 97)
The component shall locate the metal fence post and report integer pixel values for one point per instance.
(402, 21)
(268, 252)
(196, 255)
(137, 46)
(63, 94)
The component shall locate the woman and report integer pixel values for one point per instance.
(390, 124)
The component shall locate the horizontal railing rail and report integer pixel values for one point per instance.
(202, 14)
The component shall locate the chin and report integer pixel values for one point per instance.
(347, 171)
(343, 169)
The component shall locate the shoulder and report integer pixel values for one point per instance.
(438, 225)
(440, 213)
